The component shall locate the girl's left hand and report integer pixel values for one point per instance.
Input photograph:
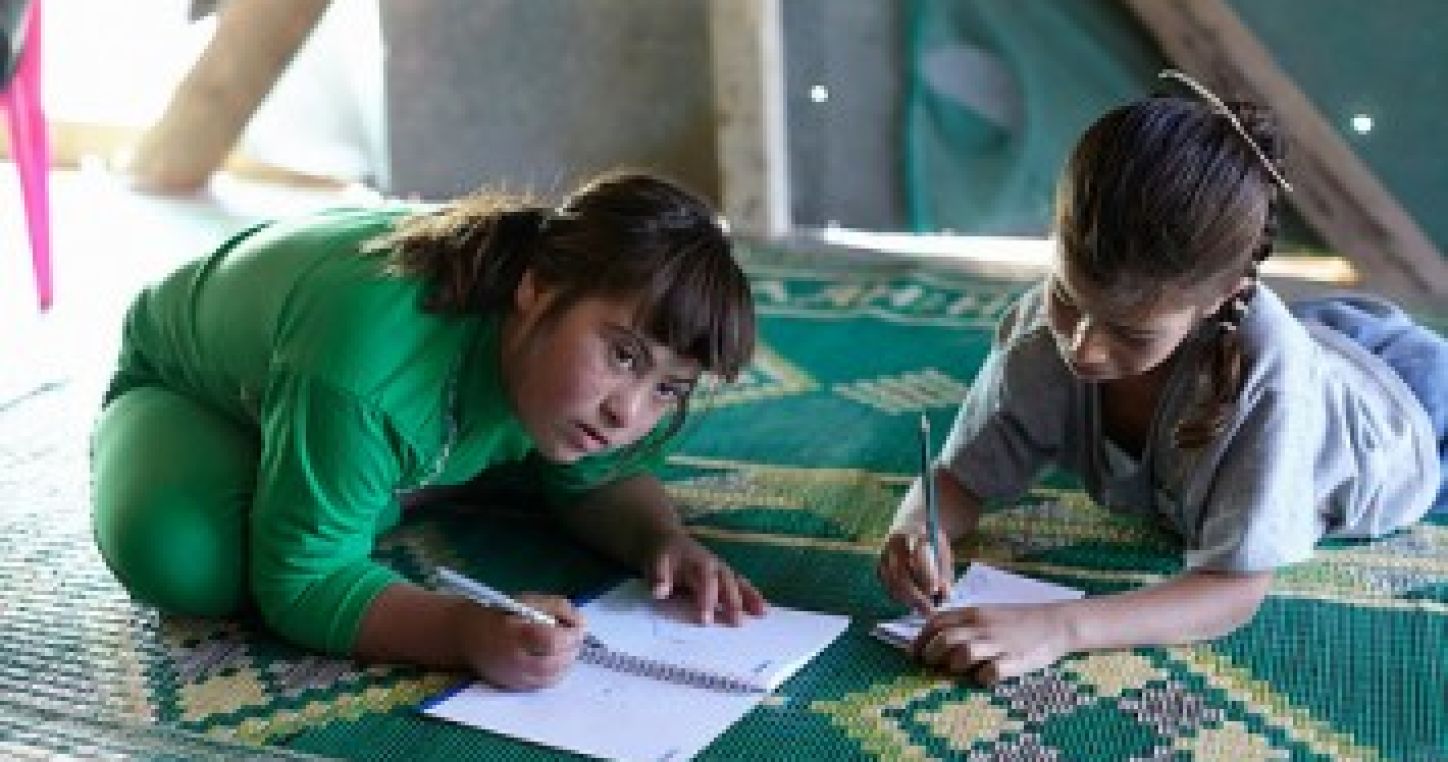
(992, 643)
(680, 561)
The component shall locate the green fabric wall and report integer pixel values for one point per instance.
(975, 169)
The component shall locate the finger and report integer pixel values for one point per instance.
(662, 577)
(536, 642)
(570, 637)
(903, 589)
(556, 606)
(1000, 668)
(731, 602)
(914, 568)
(924, 567)
(970, 656)
(899, 583)
(963, 645)
(706, 591)
(888, 565)
(562, 656)
(968, 617)
(947, 565)
(934, 647)
(544, 674)
(754, 601)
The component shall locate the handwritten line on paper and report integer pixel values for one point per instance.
(601, 712)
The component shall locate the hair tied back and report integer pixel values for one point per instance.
(1221, 108)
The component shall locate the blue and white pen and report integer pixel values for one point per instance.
(487, 596)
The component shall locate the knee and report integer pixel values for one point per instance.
(171, 486)
(169, 553)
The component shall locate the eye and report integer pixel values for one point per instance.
(674, 391)
(1132, 337)
(624, 356)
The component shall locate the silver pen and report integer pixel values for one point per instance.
(932, 509)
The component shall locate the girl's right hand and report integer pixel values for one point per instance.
(516, 654)
(911, 573)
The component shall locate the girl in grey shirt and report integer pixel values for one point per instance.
(1154, 365)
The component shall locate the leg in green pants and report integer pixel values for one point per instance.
(173, 484)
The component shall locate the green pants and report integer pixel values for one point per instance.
(173, 483)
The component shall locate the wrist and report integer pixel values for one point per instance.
(463, 629)
(1071, 623)
(909, 523)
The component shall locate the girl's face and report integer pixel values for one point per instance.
(586, 380)
(1102, 340)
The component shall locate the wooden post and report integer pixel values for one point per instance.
(254, 42)
(1335, 191)
(749, 105)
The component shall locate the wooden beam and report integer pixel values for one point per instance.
(1334, 190)
(254, 42)
(749, 110)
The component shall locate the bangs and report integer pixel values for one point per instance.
(700, 307)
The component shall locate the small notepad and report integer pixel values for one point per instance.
(980, 585)
(614, 714)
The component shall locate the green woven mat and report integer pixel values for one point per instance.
(792, 476)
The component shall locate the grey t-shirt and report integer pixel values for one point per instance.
(1325, 440)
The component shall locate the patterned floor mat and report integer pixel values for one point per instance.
(792, 476)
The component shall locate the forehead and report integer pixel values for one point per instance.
(624, 316)
(1164, 301)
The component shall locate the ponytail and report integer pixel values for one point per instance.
(471, 254)
(1223, 361)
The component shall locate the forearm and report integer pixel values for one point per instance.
(959, 509)
(412, 625)
(625, 520)
(1195, 606)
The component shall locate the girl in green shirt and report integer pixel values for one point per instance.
(276, 402)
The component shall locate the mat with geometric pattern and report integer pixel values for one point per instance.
(792, 476)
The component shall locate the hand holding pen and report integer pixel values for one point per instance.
(916, 565)
(594, 650)
(941, 570)
(521, 644)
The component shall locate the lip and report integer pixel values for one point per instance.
(590, 438)
(1086, 374)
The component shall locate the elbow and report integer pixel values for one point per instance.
(288, 620)
(1244, 596)
(320, 610)
(292, 610)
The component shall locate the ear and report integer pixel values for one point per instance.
(526, 296)
(1241, 286)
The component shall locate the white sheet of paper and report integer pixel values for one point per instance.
(613, 715)
(980, 585)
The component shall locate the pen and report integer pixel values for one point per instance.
(932, 510)
(487, 596)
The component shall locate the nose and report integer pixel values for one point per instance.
(623, 406)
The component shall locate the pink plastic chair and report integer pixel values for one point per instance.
(30, 146)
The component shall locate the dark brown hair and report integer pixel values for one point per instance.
(620, 235)
(1166, 192)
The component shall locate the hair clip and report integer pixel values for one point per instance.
(1221, 108)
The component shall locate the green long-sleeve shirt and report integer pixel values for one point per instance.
(356, 393)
